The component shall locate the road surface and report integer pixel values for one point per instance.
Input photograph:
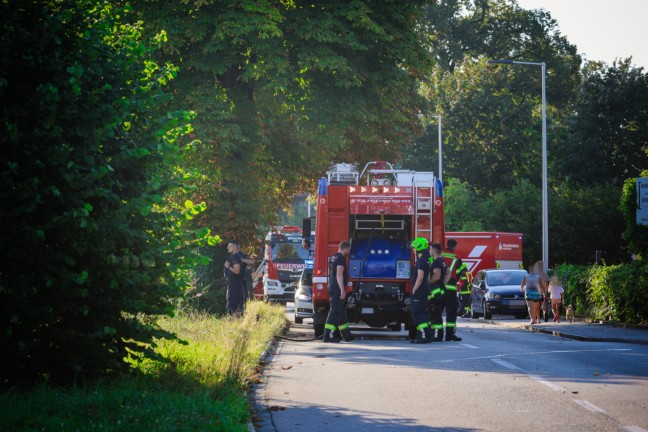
(496, 379)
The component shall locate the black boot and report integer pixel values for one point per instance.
(439, 336)
(429, 335)
(328, 337)
(451, 336)
(346, 334)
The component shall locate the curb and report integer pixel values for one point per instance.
(256, 395)
(565, 335)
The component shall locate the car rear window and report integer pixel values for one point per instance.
(501, 278)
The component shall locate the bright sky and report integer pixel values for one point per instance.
(601, 29)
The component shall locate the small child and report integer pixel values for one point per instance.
(557, 293)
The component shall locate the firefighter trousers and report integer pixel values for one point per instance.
(465, 300)
(450, 304)
(336, 318)
(435, 307)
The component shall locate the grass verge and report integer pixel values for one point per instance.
(200, 388)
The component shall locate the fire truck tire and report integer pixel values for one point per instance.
(487, 314)
(318, 329)
(473, 314)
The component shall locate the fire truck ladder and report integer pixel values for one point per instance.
(423, 207)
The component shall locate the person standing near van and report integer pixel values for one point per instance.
(437, 290)
(450, 299)
(420, 291)
(338, 277)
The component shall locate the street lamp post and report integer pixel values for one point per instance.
(440, 149)
(545, 211)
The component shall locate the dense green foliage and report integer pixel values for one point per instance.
(203, 389)
(610, 293)
(89, 246)
(492, 130)
(281, 88)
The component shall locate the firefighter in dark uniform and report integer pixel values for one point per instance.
(235, 274)
(437, 291)
(338, 277)
(464, 288)
(420, 291)
(453, 262)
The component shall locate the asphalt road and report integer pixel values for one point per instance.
(496, 379)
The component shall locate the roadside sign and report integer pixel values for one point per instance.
(642, 201)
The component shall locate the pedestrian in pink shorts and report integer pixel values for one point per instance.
(557, 295)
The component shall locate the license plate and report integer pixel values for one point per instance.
(518, 303)
(367, 311)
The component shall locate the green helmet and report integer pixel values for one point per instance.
(420, 244)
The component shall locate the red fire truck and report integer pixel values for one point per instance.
(484, 250)
(284, 260)
(380, 211)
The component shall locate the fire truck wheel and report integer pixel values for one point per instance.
(487, 314)
(318, 329)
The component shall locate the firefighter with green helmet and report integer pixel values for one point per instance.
(420, 291)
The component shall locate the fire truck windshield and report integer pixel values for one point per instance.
(289, 252)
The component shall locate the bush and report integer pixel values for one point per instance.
(612, 293)
(89, 246)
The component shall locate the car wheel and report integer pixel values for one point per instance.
(394, 327)
(299, 320)
(473, 314)
(487, 314)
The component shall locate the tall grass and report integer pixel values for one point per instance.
(201, 386)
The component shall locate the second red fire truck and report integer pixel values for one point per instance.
(380, 211)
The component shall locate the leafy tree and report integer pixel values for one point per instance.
(463, 208)
(282, 88)
(608, 139)
(89, 246)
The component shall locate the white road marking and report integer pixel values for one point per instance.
(469, 346)
(506, 364)
(541, 380)
(549, 384)
(589, 406)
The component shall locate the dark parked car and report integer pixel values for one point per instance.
(304, 295)
(497, 291)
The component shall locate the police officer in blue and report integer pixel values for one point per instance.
(420, 291)
(338, 277)
(235, 274)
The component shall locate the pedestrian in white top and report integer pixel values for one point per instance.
(557, 296)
